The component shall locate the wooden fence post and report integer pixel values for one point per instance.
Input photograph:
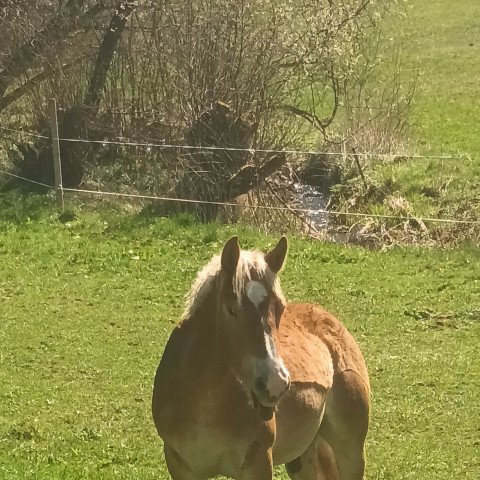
(57, 163)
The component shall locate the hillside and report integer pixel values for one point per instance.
(440, 43)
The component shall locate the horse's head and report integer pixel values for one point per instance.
(250, 305)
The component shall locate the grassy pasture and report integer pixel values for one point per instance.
(441, 41)
(86, 307)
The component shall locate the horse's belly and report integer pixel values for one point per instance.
(298, 420)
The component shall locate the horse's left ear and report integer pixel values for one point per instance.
(230, 256)
(276, 257)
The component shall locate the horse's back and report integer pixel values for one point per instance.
(316, 346)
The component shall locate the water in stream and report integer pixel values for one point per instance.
(312, 199)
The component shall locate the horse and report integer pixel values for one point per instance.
(247, 382)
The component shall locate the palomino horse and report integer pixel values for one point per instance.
(247, 381)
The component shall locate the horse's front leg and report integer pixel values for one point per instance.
(258, 466)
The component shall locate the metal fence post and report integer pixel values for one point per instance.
(57, 163)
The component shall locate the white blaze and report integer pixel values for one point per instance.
(278, 375)
(256, 293)
(271, 368)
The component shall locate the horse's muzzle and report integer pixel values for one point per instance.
(269, 390)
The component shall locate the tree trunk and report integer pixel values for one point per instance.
(205, 176)
(250, 176)
(79, 121)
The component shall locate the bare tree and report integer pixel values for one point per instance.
(42, 45)
(46, 48)
(79, 120)
(162, 70)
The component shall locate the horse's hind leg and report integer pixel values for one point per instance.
(345, 423)
(317, 463)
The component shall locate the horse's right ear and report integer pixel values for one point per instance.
(230, 256)
(276, 257)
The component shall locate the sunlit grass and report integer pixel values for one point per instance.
(440, 41)
(86, 308)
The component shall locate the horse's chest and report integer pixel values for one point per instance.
(211, 437)
(210, 451)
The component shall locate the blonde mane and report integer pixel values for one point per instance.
(250, 263)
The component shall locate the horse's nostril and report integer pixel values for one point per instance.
(260, 385)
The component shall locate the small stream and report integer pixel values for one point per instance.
(313, 199)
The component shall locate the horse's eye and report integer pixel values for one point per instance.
(232, 311)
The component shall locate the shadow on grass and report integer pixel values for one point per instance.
(20, 205)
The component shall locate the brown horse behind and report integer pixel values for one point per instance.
(247, 381)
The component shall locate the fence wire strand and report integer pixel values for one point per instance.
(252, 151)
(265, 207)
(25, 179)
(24, 132)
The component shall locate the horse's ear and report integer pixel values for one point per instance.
(276, 257)
(230, 256)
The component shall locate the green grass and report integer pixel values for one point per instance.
(441, 40)
(86, 307)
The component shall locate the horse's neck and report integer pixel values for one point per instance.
(205, 348)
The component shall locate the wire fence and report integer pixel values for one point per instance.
(29, 180)
(273, 208)
(150, 145)
(259, 207)
(308, 211)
